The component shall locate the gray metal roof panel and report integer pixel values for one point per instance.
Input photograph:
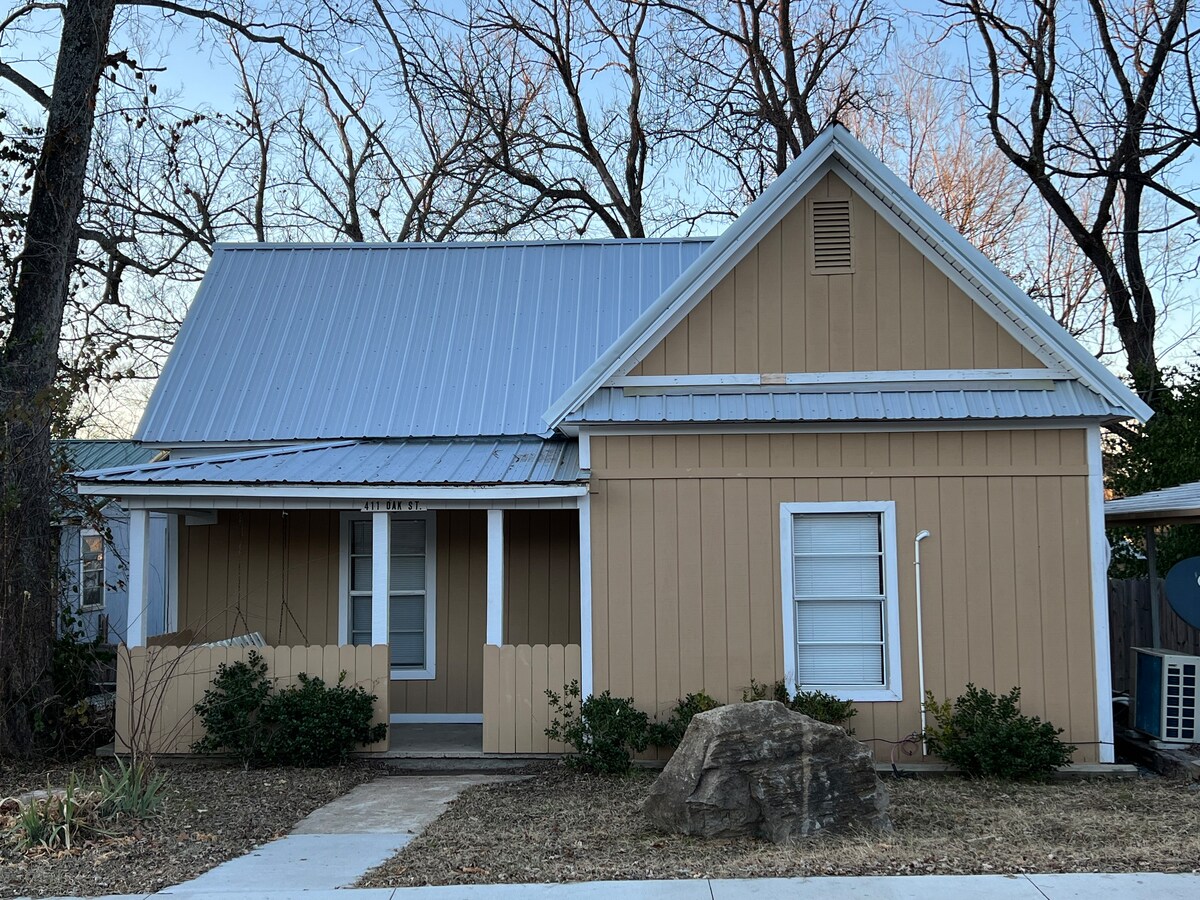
(524, 460)
(1064, 399)
(312, 342)
(1181, 501)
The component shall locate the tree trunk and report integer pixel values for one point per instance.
(27, 373)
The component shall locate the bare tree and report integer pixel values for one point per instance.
(757, 80)
(1097, 100)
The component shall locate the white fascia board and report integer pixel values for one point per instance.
(702, 275)
(882, 181)
(339, 492)
(838, 378)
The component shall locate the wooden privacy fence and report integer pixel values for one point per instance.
(158, 687)
(515, 709)
(1129, 625)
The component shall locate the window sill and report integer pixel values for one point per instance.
(858, 695)
(93, 607)
(414, 674)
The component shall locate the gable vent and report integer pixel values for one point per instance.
(832, 237)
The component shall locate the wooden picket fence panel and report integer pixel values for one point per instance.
(1130, 625)
(158, 687)
(515, 709)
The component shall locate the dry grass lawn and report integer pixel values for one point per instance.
(559, 826)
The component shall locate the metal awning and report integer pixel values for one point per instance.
(450, 462)
(1177, 505)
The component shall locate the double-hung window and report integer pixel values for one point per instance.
(411, 604)
(91, 569)
(841, 616)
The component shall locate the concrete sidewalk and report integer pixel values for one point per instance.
(898, 887)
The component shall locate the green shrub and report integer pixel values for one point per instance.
(824, 708)
(603, 730)
(231, 708)
(815, 704)
(985, 736)
(132, 791)
(670, 732)
(68, 722)
(312, 724)
(760, 691)
(308, 724)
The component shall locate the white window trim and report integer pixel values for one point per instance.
(428, 673)
(85, 533)
(893, 686)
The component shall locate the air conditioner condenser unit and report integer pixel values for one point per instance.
(1164, 696)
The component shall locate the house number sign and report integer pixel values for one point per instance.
(392, 506)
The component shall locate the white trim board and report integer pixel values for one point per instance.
(837, 379)
(331, 492)
(836, 149)
(435, 719)
(893, 688)
(1098, 554)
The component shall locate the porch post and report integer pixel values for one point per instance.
(495, 577)
(585, 596)
(381, 556)
(139, 578)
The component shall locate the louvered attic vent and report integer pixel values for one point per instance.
(832, 237)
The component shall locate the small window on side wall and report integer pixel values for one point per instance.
(841, 616)
(91, 569)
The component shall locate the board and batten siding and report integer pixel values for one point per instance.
(687, 591)
(896, 310)
(278, 573)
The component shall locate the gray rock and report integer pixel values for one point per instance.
(759, 769)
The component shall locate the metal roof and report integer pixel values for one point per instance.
(1179, 503)
(103, 454)
(1063, 399)
(525, 460)
(313, 342)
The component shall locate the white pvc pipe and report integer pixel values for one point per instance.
(920, 635)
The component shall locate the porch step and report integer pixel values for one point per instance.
(417, 764)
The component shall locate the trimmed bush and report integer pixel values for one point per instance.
(670, 732)
(309, 724)
(985, 736)
(231, 708)
(604, 731)
(312, 724)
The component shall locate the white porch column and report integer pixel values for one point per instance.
(381, 557)
(495, 577)
(139, 578)
(171, 614)
(585, 596)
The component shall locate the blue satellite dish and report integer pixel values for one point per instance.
(1183, 590)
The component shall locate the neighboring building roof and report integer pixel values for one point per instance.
(104, 454)
(1179, 504)
(317, 342)
(836, 149)
(1064, 399)
(522, 460)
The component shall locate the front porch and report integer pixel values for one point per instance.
(477, 597)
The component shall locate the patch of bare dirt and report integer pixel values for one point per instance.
(561, 826)
(211, 814)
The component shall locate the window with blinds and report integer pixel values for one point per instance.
(407, 589)
(839, 599)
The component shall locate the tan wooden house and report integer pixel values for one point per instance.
(659, 466)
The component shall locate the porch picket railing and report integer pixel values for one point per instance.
(158, 687)
(516, 711)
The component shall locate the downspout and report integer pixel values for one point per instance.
(920, 635)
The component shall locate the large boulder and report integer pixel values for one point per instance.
(759, 769)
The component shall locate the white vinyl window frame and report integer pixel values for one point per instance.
(86, 534)
(429, 671)
(892, 688)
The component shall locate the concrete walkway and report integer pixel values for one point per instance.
(337, 843)
(897, 887)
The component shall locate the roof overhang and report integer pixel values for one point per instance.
(1179, 505)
